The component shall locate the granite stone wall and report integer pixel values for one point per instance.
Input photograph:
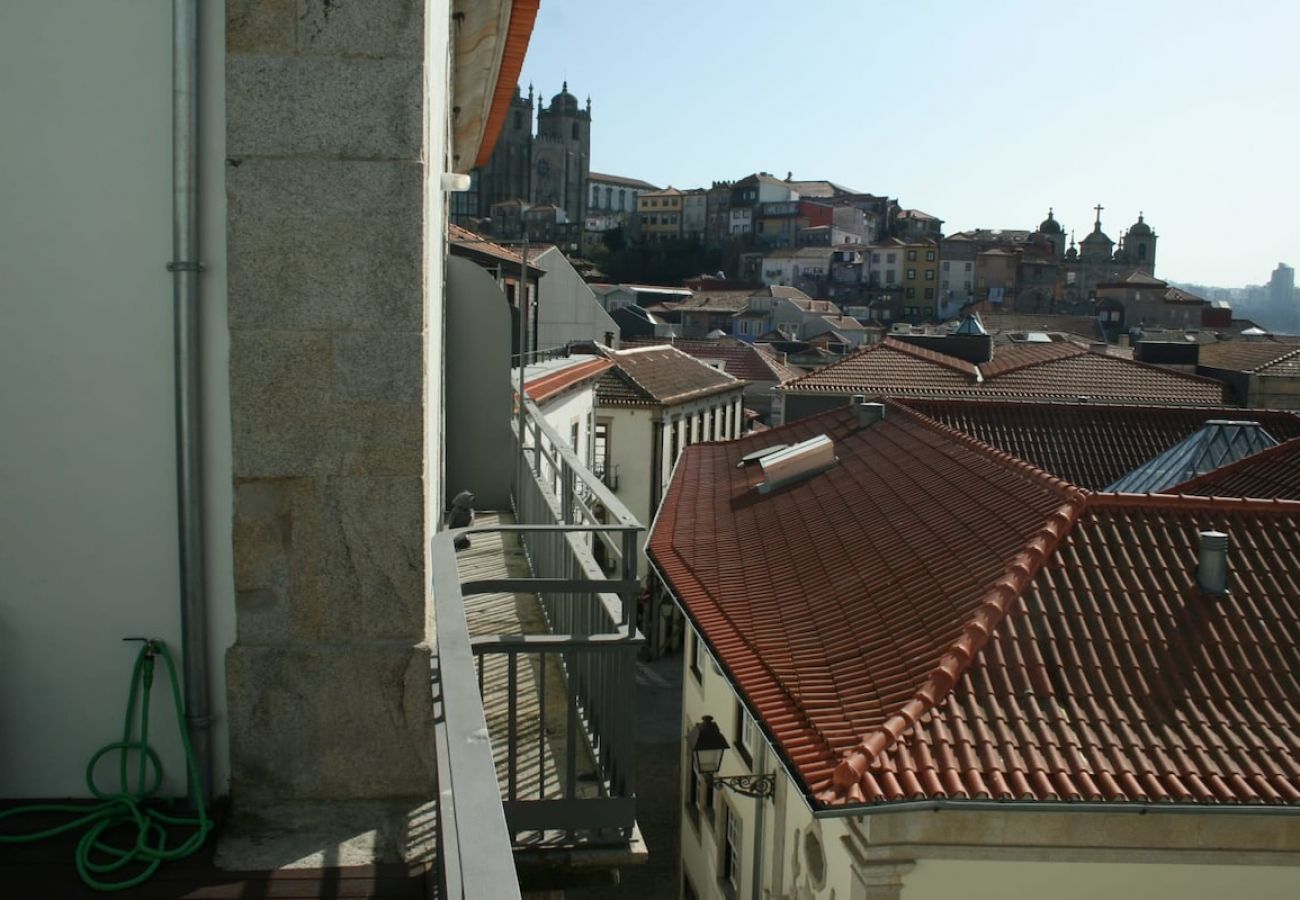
(328, 681)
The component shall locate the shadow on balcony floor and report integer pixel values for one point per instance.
(540, 699)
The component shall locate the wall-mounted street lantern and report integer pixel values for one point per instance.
(707, 745)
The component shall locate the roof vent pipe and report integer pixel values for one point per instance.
(867, 413)
(1212, 565)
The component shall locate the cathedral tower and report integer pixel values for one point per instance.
(562, 154)
(1141, 246)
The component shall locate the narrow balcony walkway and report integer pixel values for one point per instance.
(528, 696)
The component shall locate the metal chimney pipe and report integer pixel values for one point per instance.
(1212, 565)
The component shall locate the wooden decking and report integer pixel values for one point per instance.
(541, 701)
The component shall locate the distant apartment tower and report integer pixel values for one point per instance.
(1281, 287)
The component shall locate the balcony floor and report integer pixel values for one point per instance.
(46, 869)
(540, 715)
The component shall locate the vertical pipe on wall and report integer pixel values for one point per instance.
(189, 474)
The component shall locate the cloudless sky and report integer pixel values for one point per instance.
(982, 113)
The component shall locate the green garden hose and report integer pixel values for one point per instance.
(127, 807)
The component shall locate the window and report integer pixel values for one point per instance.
(911, 293)
(621, 194)
(573, 435)
(929, 293)
(889, 257)
(911, 256)
(575, 131)
(519, 121)
(875, 257)
(731, 853)
(967, 267)
(746, 733)
(943, 285)
(695, 656)
(929, 256)
(889, 276)
(911, 274)
(929, 274)
(968, 284)
(945, 265)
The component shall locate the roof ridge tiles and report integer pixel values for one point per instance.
(983, 621)
(1040, 355)
(1181, 501)
(1261, 369)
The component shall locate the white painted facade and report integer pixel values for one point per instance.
(88, 535)
(956, 284)
(741, 220)
(645, 441)
(613, 195)
(777, 848)
(884, 265)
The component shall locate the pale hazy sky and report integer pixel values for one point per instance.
(982, 113)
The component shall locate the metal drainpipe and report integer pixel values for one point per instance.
(185, 270)
(760, 808)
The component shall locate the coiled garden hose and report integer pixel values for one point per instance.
(125, 806)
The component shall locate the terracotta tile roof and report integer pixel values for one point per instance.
(546, 386)
(1115, 679)
(1019, 356)
(649, 376)
(745, 361)
(477, 244)
(1270, 474)
(1090, 445)
(848, 557)
(1287, 366)
(933, 619)
(715, 301)
(1084, 326)
(1244, 356)
(1051, 371)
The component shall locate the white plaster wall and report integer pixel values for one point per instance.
(978, 880)
(562, 411)
(631, 447)
(710, 693)
(567, 309)
(87, 466)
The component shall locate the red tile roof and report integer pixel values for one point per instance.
(1272, 473)
(932, 618)
(647, 376)
(546, 386)
(1244, 356)
(745, 361)
(1113, 678)
(1052, 371)
(1090, 445)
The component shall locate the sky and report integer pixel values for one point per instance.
(981, 113)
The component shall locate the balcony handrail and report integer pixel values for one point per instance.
(474, 843)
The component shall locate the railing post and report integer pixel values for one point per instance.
(566, 492)
(629, 575)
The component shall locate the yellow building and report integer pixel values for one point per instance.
(660, 213)
(920, 276)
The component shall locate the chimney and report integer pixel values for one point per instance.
(1212, 564)
(1099, 347)
(867, 413)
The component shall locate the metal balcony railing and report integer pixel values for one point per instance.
(562, 702)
